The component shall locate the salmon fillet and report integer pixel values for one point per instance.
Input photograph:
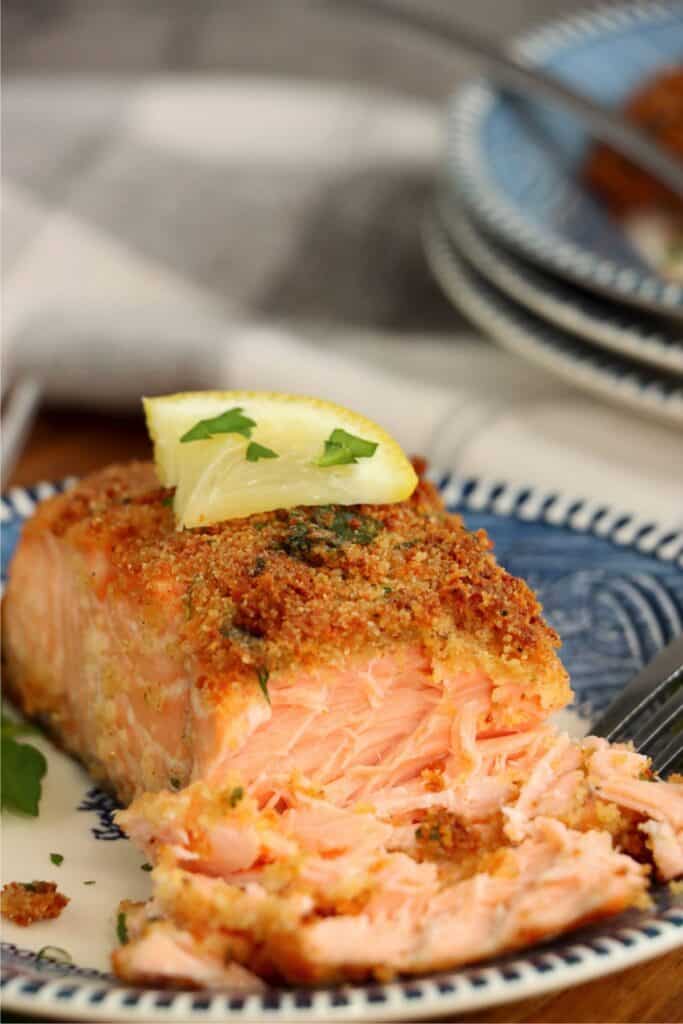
(530, 841)
(333, 725)
(338, 643)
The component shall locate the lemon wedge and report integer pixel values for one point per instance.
(234, 453)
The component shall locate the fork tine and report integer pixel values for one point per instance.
(669, 758)
(655, 679)
(661, 721)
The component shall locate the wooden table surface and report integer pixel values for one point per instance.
(64, 443)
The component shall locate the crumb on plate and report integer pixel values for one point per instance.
(25, 903)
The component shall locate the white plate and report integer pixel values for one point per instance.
(609, 600)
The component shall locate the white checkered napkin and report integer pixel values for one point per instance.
(152, 229)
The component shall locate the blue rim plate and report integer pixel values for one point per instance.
(613, 587)
(517, 164)
(625, 332)
(616, 378)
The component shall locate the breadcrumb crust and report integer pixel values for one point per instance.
(25, 903)
(306, 585)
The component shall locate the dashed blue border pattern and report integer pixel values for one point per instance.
(29, 984)
(467, 170)
(577, 514)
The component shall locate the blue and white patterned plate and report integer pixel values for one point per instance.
(591, 317)
(616, 378)
(611, 586)
(517, 164)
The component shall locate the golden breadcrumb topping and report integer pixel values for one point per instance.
(303, 585)
(25, 903)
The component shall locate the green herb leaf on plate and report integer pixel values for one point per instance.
(232, 421)
(121, 928)
(146, 867)
(23, 769)
(56, 858)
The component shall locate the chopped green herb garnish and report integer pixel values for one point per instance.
(30, 886)
(235, 796)
(358, 446)
(327, 529)
(348, 525)
(146, 867)
(263, 677)
(433, 834)
(257, 451)
(299, 540)
(122, 928)
(56, 858)
(23, 768)
(342, 448)
(238, 634)
(335, 455)
(187, 600)
(56, 953)
(168, 500)
(91, 881)
(232, 421)
(175, 783)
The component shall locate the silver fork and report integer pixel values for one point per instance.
(515, 73)
(649, 712)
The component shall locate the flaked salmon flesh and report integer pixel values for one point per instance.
(334, 728)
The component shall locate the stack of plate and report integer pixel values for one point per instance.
(523, 248)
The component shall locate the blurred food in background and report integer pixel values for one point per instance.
(651, 213)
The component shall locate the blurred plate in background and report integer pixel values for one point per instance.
(621, 329)
(517, 165)
(613, 377)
